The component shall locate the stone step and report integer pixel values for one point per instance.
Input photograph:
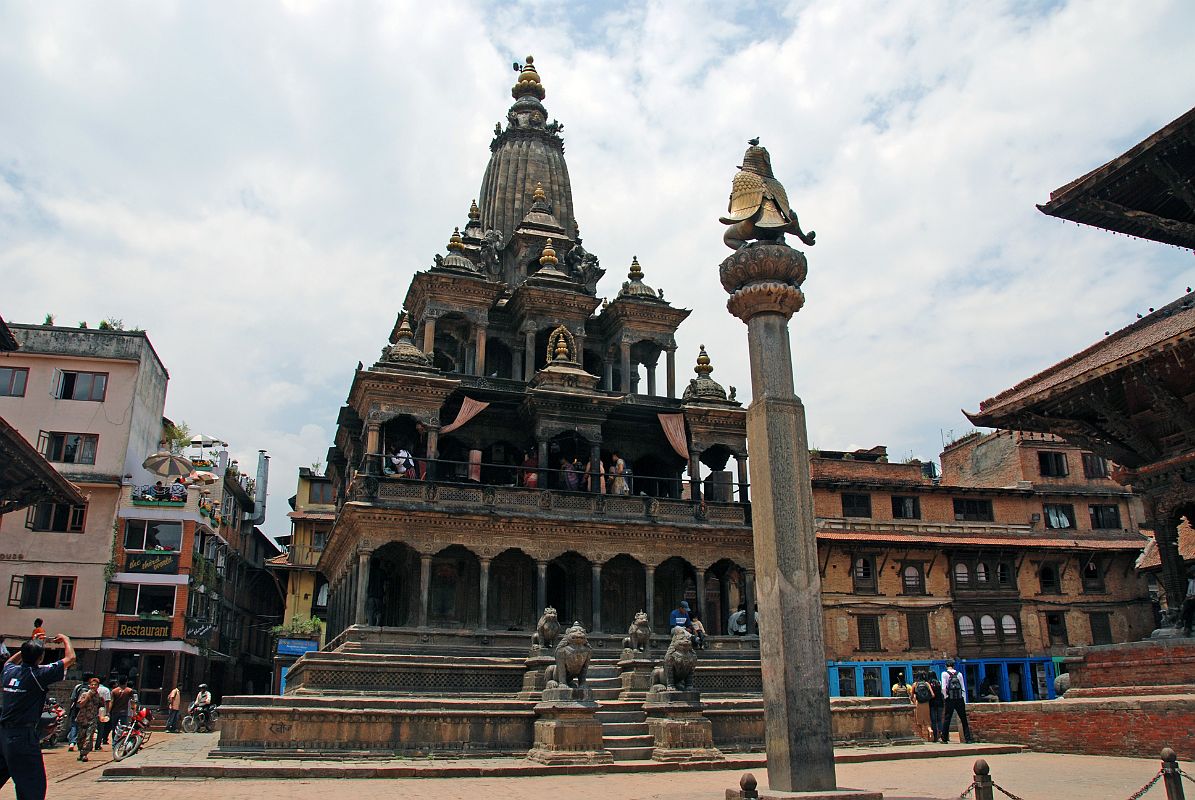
(602, 672)
(604, 683)
(606, 694)
(631, 753)
(612, 742)
(615, 717)
(626, 728)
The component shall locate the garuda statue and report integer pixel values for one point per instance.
(759, 207)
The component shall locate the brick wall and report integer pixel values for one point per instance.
(1160, 663)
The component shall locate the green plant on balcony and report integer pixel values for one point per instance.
(298, 628)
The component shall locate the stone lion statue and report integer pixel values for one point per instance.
(680, 662)
(546, 630)
(638, 635)
(572, 660)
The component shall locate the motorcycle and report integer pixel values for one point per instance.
(197, 719)
(129, 737)
(51, 725)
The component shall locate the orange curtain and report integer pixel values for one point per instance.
(469, 409)
(674, 429)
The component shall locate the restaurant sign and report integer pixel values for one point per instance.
(152, 563)
(142, 629)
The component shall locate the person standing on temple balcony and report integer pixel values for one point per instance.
(619, 467)
(598, 482)
(530, 474)
(405, 463)
(570, 475)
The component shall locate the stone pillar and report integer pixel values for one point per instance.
(479, 346)
(362, 588)
(595, 472)
(597, 597)
(429, 334)
(1173, 578)
(625, 365)
(541, 586)
(373, 455)
(694, 475)
(608, 375)
(542, 482)
(741, 460)
(671, 354)
(529, 354)
(763, 282)
(425, 576)
(484, 615)
(651, 379)
(649, 600)
(749, 599)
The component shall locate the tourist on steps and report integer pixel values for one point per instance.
(955, 689)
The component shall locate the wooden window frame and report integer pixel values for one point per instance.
(919, 588)
(7, 387)
(865, 585)
(324, 487)
(857, 497)
(58, 387)
(1095, 466)
(897, 506)
(65, 587)
(1106, 616)
(1097, 524)
(869, 620)
(975, 514)
(52, 446)
(1052, 464)
(922, 620)
(76, 520)
(1065, 509)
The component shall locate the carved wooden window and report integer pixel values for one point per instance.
(1059, 515)
(968, 510)
(966, 627)
(918, 624)
(981, 573)
(912, 579)
(856, 505)
(1056, 629)
(1093, 577)
(1009, 627)
(1051, 464)
(865, 574)
(869, 633)
(1094, 466)
(1004, 573)
(987, 626)
(1050, 581)
(962, 575)
(906, 507)
(1104, 517)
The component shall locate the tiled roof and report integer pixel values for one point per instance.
(323, 516)
(1152, 559)
(1153, 333)
(1122, 540)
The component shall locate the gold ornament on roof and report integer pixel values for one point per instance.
(528, 82)
(454, 243)
(703, 368)
(636, 273)
(634, 286)
(474, 212)
(539, 196)
(548, 258)
(703, 388)
(561, 345)
(404, 351)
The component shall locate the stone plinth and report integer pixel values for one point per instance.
(636, 675)
(567, 730)
(533, 678)
(739, 722)
(681, 732)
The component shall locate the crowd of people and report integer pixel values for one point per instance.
(160, 492)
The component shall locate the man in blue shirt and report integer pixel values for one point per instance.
(24, 681)
(680, 617)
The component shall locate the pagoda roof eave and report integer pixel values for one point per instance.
(27, 478)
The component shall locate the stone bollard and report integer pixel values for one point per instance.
(747, 789)
(1172, 775)
(983, 780)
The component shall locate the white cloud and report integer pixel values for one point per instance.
(256, 191)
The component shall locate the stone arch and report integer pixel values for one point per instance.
(569, 588)
(499, 359)
(624, 591)
(393, 594)
(451, 348)
(725, 591)
(675, 580)
(454, 588)
(511, 603)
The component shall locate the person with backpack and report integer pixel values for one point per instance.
(923, 696)
(936, 705)
(955, 690)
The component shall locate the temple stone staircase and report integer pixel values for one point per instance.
(624, 723)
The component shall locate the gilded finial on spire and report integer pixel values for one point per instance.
(703, 368)
(404, 330)
(636, 273)
(474, 211)
(561, 349)
(455, 244)
(528, 82)
(539, 196)
(548, 258)
(703, 388)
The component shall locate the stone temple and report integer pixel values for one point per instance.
(513, 449)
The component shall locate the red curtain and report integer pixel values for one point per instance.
(674, 429)
(469, 409)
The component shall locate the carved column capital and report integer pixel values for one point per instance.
(764, 278)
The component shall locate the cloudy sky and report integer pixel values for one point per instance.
(255, 183)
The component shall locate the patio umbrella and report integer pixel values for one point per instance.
(202, 476)
(168, 465)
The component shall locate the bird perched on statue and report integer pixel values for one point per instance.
(759, 208)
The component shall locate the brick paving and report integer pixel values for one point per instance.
(1032, 776)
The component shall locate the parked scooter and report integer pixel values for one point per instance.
(52, 715)
(198, 719)
(129, 737)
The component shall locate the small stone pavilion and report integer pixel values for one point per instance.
(521, 444)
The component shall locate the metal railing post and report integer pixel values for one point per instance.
(1172, 775)
(983, 780)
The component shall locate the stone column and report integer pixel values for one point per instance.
(362, 588)
(671, 354)
(649, 599)
(1173, 579)
(763, 282)
(595, 472)
(425, 576)
(373, 457)
(750, 601)
(429, 334)
(625, 365)
(741, 460)
(484, 616)
(597, 597)
(529, 354)
(541, 586)
(651, 379)
(608, 375)
(694, 475)
(479, 346)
